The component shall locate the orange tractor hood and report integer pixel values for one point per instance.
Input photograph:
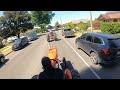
(52, 53)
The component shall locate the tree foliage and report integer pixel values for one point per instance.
(88, 24)
(110, 27)
(14, 22)
(57, 25)
(42, 17)
(81, 26)
(70, 25)
(49, 27)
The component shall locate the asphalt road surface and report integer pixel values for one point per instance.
(25, 63)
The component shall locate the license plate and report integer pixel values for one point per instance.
(118, 52)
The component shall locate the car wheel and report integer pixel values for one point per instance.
(77, 45)
(94, 58)
(2, 60)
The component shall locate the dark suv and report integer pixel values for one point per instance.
(20, 43)
(102, 48)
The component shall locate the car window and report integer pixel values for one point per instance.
(17, 41)
(97, 40)
(23, 39)
(89, 38)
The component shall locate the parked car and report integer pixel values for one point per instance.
(32, 37)
(4, 41)
(2, 58)
(67, 33)
(20, 43)
(102, 48)
(14, 38)
(9, 40)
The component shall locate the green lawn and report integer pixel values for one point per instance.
(6, 46)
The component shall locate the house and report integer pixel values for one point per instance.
(75, 22)
(111, 16)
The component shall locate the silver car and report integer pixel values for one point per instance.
(67, 33)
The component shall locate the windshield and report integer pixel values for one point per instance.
(18, 41)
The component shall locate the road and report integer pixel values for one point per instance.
(25, 63)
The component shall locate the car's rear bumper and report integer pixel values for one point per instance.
(110, 61)
(69, 35)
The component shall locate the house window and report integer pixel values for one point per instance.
(115, 20)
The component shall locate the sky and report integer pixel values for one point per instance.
(67, 16)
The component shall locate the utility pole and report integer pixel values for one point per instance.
(61, 22)
(91, 21)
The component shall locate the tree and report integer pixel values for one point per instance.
(49, 27)
(4, 32)
(88, 24)
(70, 25)
(42, 18)
(15, 22)
(82, 27)
(57, 25)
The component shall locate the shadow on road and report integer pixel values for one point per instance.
(27, 45)
(71, 37)
(2, 64)
(58, 39)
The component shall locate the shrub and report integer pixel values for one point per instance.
(70, 25)
(110, 27)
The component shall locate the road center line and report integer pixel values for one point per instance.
(81, 58)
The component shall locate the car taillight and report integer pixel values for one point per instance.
(106, 51)
(111, 51)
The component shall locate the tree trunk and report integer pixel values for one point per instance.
(18, 35)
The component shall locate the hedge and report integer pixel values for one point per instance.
(110, 27)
